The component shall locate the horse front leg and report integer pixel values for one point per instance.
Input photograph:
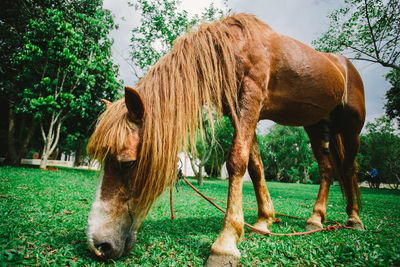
(224, 251)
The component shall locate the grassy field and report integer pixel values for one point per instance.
(43, 218)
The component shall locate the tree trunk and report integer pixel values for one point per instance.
(199, 175)
(12, 157)
(50, 140)
(43, 160)
(23, 150)
(16, 151)
(78, 153)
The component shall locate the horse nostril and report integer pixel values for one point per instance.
(105, 249)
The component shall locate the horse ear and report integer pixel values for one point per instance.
(134, 104)
(106, 102)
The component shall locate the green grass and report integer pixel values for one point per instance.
(43, 218)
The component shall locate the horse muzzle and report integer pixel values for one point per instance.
(109, 248)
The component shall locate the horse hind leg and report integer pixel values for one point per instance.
(256, 170)
(325, 167)
(351, 145)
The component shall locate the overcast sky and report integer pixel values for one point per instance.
(303, 20)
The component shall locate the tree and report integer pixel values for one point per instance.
(204, 148)
(392, 105)
(380, 148)
(367, 29)
(60, 62)
(26, 24)
(287, 155)
(223, 135)
(14, 17)
(160, 24)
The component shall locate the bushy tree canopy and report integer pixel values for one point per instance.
(367, 30)
(287, 155)
(380, 149)
(161, 23)
(392, 105)
(64, 67)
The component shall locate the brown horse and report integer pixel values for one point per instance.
(249, 72)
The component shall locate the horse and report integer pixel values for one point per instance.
(245, 70)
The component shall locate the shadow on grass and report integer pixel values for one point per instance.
(197, 226)
(76, 243)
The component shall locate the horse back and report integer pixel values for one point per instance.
(304, 85)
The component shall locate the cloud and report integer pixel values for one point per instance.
(126, 17)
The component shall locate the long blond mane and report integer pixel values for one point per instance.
(199, 71)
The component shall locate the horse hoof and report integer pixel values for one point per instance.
(263, 226)
(222, 261)
(313, 226)
(356, 224)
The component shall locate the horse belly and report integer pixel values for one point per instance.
(304, 85)
(301, 104)
(294, 113)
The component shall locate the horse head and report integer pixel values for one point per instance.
(115, 216)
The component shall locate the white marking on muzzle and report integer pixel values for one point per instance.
(97, 214)
(102, 227)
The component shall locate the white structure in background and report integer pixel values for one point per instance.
(225, 175)
(66, 161)
(70, 157)
(184, 163)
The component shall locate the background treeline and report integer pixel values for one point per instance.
(55, 66)
(287, 155)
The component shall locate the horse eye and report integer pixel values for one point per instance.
(124, 165)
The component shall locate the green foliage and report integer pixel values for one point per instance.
(160, 24)
(58, 67)
(223, 135)
(368, 29)
(44, 215)
(380, 149)
(392, 105)
(287, 155)
(60, 63)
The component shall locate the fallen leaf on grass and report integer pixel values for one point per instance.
(3, 196)
(68, 212)
(20, 187)
(5, 180)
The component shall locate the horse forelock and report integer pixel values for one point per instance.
(112, 128)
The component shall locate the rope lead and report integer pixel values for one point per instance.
(329, 228)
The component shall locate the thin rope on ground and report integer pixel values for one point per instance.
(328, 228)
(246, 208)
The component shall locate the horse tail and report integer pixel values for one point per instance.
(346, 182)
